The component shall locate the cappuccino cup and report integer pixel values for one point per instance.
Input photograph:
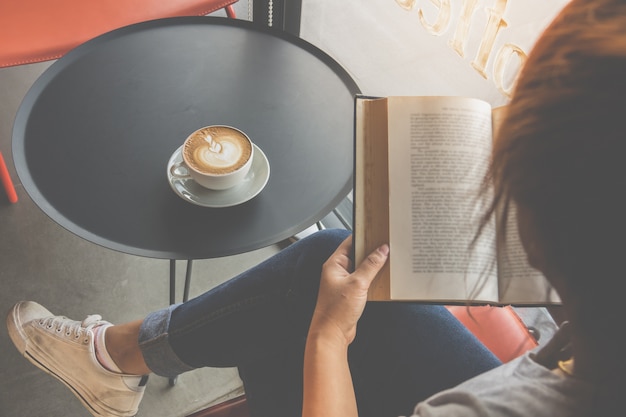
(217, 157)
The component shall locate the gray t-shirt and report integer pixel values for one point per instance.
(518, 388)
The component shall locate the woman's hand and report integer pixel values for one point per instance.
(343, 294)
(328, 389)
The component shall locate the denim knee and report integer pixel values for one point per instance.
(327, 238)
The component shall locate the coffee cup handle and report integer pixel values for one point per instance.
(179, 170)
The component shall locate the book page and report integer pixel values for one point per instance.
(519, 283)
(439, 149)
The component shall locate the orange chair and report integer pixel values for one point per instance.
(500, 329)
(41, 30)
(6, 181)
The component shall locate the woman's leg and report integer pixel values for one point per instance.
(405, 352)
(257, 321)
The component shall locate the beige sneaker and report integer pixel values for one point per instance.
(65, 349)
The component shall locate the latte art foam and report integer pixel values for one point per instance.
(217, 150)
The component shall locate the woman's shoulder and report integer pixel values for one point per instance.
(521, 387)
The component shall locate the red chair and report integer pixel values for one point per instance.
(6, 181)
(41, 30)
(500, 329)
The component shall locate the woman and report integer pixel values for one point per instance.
(293, 336)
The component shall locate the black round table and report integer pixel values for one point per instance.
(93, 135)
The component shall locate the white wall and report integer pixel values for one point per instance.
(414, 47)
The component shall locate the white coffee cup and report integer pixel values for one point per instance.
(217, 157)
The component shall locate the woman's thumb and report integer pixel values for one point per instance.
(373, 263)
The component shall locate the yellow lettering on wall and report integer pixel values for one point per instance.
(462, 28)
(443, 17)
(494, 24)
(406, 4)
(502, 61)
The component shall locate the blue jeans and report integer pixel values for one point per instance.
(258, 322)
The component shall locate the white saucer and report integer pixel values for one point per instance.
(250, 187)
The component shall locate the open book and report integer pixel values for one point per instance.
(419, 165)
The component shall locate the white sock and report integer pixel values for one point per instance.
(102, 355)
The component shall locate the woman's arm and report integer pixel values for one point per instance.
(328, 389)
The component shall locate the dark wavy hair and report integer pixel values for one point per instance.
(560, 158)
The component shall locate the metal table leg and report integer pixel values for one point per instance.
(173, 290)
